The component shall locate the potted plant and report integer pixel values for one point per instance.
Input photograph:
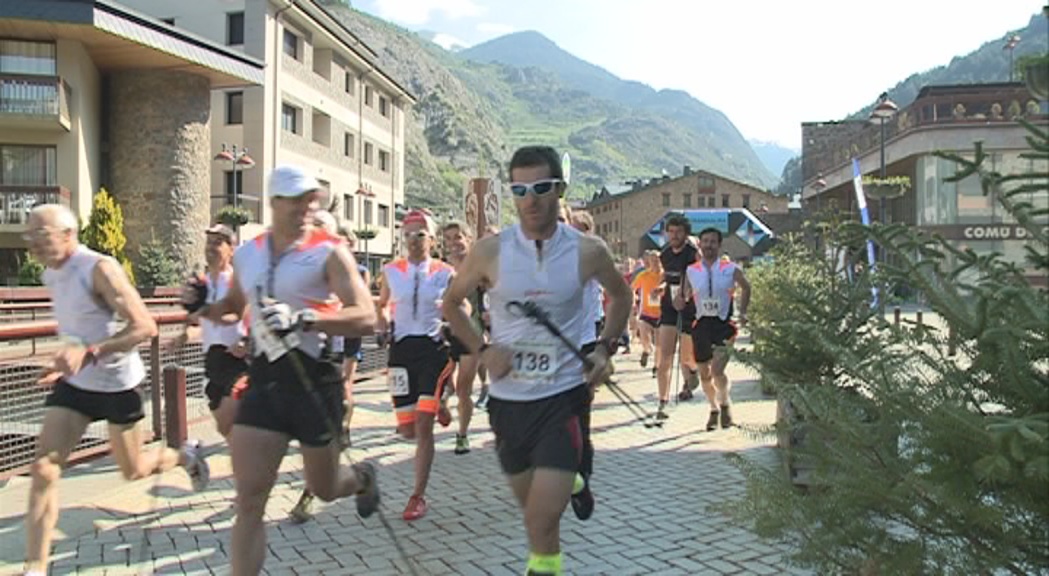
(233, 216)
(366, 234)
(886, 188)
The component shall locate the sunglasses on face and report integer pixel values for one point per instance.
(419, 235)
(538, 188)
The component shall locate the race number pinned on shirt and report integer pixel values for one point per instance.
(710, 307)
(397, 380)
(674, 290)
(533, 361)
(269, 343)
(653, 298)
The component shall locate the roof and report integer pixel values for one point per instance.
(615, 191)
(120, 38)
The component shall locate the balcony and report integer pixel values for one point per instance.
(17, 201)
(34, 102)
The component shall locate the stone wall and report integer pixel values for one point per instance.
(160, 155)
(826, 145)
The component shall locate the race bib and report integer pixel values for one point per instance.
(269, 343)
(674, 290)
(397, 380)
(533, 361)
(653, 298)
(711, 307)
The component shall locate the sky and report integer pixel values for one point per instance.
(767, 64)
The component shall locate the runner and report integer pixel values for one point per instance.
(457, 242)
(419, 366)
(94, 375)
(675, 257)
(225, 344)
(338, 349)
(482, 371)
(646, 284)
(539, 392)
(287, 276)
(712, 282)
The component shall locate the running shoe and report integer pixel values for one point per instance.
(196, 466)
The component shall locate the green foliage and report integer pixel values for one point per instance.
(105, 230)
(30, 271)
(157, 266)
(233, 217)
(926, 462)
(365, 234)
(1022, 64)
(904, 181)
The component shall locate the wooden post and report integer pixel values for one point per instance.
(156, 387)
(175, 405)
(896, 316)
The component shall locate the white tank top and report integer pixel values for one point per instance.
(217, 333)
(296, 277)
(595, 312)
(542, 366)
(85, 318)
(712, 288)
(416, 294)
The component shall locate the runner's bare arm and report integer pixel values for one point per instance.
(382, 305)
(472, 272)
(744, 293)
(229, 310)
(113, 286)
(684, 293)
(597, 263)
(357, 315)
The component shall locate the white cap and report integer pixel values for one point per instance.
(291, 182)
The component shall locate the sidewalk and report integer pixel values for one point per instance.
(654, 490)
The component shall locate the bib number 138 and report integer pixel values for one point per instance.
(533, 361)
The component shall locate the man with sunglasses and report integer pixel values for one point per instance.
(540, 390)
(419, 366)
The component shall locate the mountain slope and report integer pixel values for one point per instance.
(772, 155)
(722, 148)
(988, 63)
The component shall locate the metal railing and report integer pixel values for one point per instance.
(22, 399)
(31, 95)
(17, 201)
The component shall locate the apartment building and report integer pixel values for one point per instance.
(951, 118)
(325, 105)
(624, 214)
(93, 95)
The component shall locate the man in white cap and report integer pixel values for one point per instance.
(287, 276)
(95, 374)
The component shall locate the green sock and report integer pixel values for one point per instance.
(540, 564)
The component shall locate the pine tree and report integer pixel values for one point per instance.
(923, 461)
(157, 267)
(105, 230)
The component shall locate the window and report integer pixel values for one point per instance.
(291, 44)
(321, 128)
(706, 183)
(383, 106)
(351, 83)
(31, 58)
(686, 200)
(234, 184)
(347, 207)
(368, 153)
(384, 216)
(724, 200)
(367, 211)
(235, 28)
(28, 165)
(666, 199)
(616, 225)
(234, 107)
(347, 145)
(289, 118)
(712, 201)
(367, 95)
(746, 200)
(384, 161)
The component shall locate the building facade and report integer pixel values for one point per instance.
(942, 118)
(624, 214)
(325, 105)
(94, 95)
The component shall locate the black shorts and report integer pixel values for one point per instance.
(352, 348)
(456, 348)
(545, 433)
(428, 368)
(224, 372)
(708, 332)
(119, 408)
(279, 401)
(668, 316)
(653, 322)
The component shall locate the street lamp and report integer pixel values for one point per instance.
(882, 112)
(239, 160)
(1010, 45)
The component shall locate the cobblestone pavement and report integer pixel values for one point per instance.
(655, 489)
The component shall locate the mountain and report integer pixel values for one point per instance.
(988, 63)
(721, 148)
(446, 41)
(772, 155)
